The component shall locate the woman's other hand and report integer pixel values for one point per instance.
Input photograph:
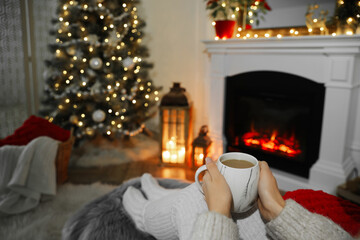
(270, 201)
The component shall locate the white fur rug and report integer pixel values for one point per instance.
(46, 221)
(103, 152)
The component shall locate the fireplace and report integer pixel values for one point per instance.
(275, 116)
(294, 102)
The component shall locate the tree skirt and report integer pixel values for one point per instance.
(47, 220)
(103, 152)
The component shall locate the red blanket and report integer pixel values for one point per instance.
(35, 127)
(342, 212)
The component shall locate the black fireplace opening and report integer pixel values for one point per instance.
(276, 117)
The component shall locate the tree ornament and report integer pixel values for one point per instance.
(74, 119)
(96, 63)
(98, 116)
(128, 62)
(93, 39)
(89, 131)
(71, 50)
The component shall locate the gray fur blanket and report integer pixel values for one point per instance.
(106, 219)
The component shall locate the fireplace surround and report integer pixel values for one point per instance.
(333, 62)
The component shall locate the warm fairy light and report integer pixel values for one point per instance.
(147, 96)
(57, 85)
(256, 36)
(108, 132)
(107, 64)
(267, 35)
(125, 25)
(133, 101)
(83, 83)
(84, 59)
(82, 71)
(349, 20)
(292, 31)
(107, 99)
(119, 125)
(106, 40)
(99, 5)
(67, 100)
(296, 32)
(105, 28)
(124, 5)
(67, 81)
(86, 17)
(75, 106)
(156, 92)
(223, 4)
(101, 16)
(349, 32)
(122, 117)
(233, 16)
(146, 104)
(71, 2)
(80, 123)
(85, 39)
(341, 2)
(333, 34)
(83, 115)
(117, 113)
(64, 72)
(113, 122)
(110, 110)
(78, 94)
(108, 87)
(60, 106)
(250, 13)
(69, 34)
(61, 19)
(315, 20)
(85, 6)
(111, 26)
(74, 57)
(310, 30)
(156, 98)
(279, 36)
(248, 35)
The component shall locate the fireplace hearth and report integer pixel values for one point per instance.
(316, 135)
(276, 117)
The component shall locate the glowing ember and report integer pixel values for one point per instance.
(272, 143)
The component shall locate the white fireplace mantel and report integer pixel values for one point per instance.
(334, 61)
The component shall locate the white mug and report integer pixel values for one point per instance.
(243, 182)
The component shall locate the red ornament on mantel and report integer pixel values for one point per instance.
(224, 28)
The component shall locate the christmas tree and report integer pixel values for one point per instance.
(97, 80)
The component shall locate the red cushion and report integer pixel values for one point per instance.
(343, 212)
(35, 127)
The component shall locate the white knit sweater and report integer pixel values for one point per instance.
(294, 222)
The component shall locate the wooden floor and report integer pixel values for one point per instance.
(116, 174)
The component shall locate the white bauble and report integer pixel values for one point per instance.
(99, 115)
(96, 63)
(128, 62)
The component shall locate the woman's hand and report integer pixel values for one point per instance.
(270, 201)
(217, 192)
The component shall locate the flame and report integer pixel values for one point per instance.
(272, 143)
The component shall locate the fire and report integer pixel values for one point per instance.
(272, 143)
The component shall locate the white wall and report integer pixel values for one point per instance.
(173, 34)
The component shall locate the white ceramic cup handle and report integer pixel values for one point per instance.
(197, 173)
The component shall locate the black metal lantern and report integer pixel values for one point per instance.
(176, 126)
(201, 147)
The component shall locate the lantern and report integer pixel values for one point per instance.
(200, 147)
(175, 114)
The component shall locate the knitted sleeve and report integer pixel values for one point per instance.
(214, 226)
(296, 222)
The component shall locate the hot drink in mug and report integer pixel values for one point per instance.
(241, 172)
